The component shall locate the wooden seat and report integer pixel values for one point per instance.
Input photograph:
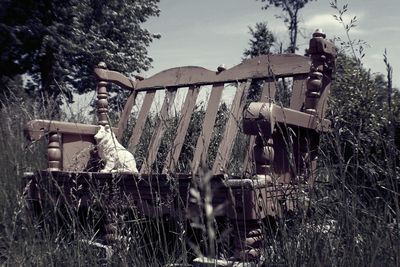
(278, 144)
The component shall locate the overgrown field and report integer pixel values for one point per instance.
(353, 219)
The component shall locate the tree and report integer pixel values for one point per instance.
(261, 42)
(290, 16)
(57, 43)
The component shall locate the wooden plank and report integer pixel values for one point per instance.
(267, 95)
(141, 120)
(155, 141)
(76, 151)
(123, 121)
(204, 139)
(186, 114)
(298, 92)
(36, 129)
(268, 90)
(269, 114)
(261, 67)
(231, 128)
(115, 77)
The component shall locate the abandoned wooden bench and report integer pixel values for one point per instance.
(279, 150)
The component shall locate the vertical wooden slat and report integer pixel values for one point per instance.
(186, 114)
(155, 141)
(123, 121)
(207, 128)
(298, 92)
(141, 120)
(231, 128)
(268, 91)
(267, 95)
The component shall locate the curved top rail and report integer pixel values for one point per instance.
(255, 68)
(115, 77)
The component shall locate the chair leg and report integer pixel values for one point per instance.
(248, 239)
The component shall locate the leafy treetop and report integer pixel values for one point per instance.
(290, 16)
(261, 42)
(58, 42)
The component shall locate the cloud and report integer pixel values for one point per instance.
(236, 24)
(388, 29)
(329, 24)
(240, 27)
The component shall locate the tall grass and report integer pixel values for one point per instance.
(348, 223)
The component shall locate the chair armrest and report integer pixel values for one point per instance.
(261, 116)
(70, 144)
(36, 129)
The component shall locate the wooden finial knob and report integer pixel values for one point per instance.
(319, 33)
(102, 65)
(221, 68)
(138, 77)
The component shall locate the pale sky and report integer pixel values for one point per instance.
(208, 33)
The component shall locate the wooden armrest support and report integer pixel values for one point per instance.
(36, 129)
(271, 114)
(69, 144)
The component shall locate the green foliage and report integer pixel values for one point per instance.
(364, 109)
(58, 43)
(360, 147)
(287, 4)
(353, 46)
(261, 42)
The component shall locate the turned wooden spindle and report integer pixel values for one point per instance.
(315, 79)
(314, 82)
(54, 152)
(248, 239)
(102, 99)
(263, 156)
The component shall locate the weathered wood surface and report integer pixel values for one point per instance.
(299, 92)
(141, 120)
(102, 103)
(207, 128)
(184, 121)
(322, 104)
(156, 138)
(135, 191)
(76, 151)
(267, 95)
(54, 152)
(231, 128)
(123, 121)
(256, 68)
(36, 129)
(114, 77)
(273, 114)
